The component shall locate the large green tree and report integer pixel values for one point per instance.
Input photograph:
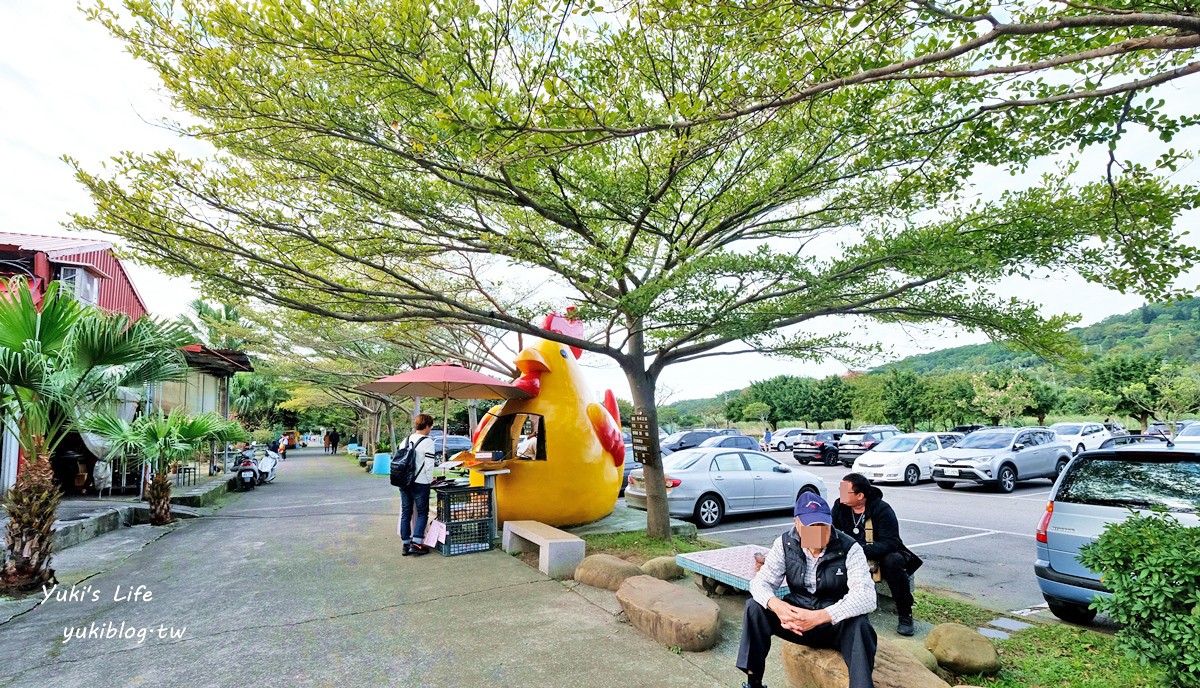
(905, 398)
(679, 171)
(1128, 380)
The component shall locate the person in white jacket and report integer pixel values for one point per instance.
(414, 500)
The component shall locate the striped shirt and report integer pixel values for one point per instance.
(858, 601)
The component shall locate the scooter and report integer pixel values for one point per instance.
(267, 461)
(246, 472)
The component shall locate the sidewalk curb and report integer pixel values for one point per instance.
(109, 518)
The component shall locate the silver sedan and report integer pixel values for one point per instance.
(705, 483)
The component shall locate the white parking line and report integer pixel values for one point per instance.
(955, 525)
(983, 531)
(953, 539)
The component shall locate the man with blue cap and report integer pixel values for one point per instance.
(830, 595)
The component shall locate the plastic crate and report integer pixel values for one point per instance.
(463, 504)
(463, 538)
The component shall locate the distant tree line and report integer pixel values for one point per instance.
(1139, 386)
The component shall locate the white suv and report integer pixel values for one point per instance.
(1000, 457)
(1081, 436)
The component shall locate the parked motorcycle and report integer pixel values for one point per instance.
(267, 461)
(246, 472)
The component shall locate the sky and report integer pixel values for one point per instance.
(68, 88)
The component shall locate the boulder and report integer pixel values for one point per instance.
(917, 649)
(895, 667)
(962, 650)
(663, 568)
(605, 571)
(672, 615)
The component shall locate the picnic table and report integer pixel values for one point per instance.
(731, 566)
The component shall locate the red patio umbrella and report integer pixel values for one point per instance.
(448, 380)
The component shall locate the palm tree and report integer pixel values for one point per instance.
(56, 362)
(255, 397)
(213, 326)
(158, 441)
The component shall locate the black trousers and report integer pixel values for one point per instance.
(854, 637)
(892, 570)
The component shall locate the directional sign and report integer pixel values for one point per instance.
(639, 430)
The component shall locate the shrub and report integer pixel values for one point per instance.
(262, 436)
(1151, 564)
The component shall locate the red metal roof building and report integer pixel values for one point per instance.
(89, 266)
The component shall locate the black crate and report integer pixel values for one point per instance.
(463, 538)
(462, 504)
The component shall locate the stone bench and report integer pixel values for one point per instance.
(559, 552)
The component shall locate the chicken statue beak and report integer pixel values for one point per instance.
(529, 361)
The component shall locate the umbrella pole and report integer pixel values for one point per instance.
(445, 404)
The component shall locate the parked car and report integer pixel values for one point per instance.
(817, 445)
(1189, 435)
(731, 441)
(707, 483)
(1001, 457)
(1122, 440)
(629, 467)
(1159, 428)
(686, 439)
(853, 443)
(785, 438)
(1099, 488)
(906, 458)
(452, 444)
(868, 428)
(1081, 436)
(967, 429)
(1116, 429)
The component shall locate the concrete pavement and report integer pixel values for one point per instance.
(301, 582)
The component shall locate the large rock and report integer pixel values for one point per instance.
(895, 667)
(663, 568)
(962, 650)
(605, 571)
(917, 649)
(674, 616)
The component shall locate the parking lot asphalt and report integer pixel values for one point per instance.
(975, 542)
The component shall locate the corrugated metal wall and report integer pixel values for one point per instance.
(116, 294)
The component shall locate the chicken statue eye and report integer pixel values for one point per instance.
(562, 352)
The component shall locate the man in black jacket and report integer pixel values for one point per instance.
(861, 509)
(829, 596)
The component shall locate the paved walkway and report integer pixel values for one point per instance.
(301, 583)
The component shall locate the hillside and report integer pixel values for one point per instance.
(1172, 330)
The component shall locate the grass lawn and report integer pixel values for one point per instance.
(638, 548)
(1046, 656)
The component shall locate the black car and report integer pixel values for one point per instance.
(686, 439)
(817, 445)
(448, 446)
(855, 443)
(967, 429)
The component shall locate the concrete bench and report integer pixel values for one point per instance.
(559, 552)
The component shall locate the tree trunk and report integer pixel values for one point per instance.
(658, 519)
(31, 505)
(159, 496)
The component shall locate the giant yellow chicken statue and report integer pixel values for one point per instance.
(572, 469)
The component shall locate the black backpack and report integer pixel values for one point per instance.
(404, 465)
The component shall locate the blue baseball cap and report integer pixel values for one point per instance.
(812, 510)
